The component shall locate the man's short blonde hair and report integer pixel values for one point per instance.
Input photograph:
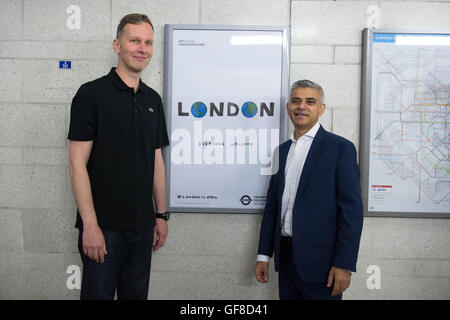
(133, 18)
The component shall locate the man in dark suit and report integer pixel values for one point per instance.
(313, 215)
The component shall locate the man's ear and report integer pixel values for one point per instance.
(116, 45)
(322, 109)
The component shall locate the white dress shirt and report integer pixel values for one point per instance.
(294, 166)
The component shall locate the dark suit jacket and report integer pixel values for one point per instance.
(327, 216)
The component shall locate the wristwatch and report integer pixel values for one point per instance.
(165, 215)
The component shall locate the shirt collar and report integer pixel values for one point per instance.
(310, 133)
(118, 82)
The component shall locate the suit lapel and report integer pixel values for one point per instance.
(311, 159)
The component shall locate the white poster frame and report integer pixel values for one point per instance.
(169, 93)
(365, 117)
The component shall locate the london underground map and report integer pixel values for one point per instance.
(409, 167)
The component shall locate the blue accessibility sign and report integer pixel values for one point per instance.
(65, 64)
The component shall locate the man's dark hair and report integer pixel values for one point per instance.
(309, 84)
(133, 18)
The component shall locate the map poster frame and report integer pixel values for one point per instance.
(225, 92)
(392, 187)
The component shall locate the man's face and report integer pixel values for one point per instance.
(304, 108)
(135, 47)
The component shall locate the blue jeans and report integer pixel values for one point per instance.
(126, 267)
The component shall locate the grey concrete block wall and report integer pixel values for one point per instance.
(46, 20)
(206, 256)
(11, 19)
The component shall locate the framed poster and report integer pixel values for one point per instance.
(405, 123)
(225, 91)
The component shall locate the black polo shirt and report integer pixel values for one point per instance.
(126, 128)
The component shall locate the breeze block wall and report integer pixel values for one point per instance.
(207, 256)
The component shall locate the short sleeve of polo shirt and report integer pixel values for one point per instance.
(162, 138)
(83, 116)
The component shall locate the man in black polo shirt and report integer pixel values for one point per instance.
(117, 130)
